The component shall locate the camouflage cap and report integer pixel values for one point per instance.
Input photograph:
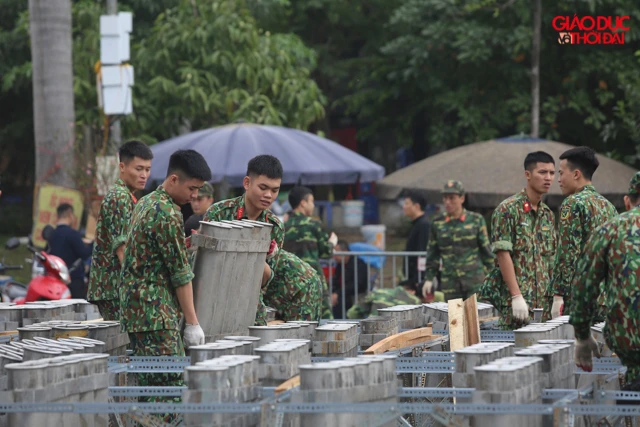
(453, 187)
(634, 185)
(206, 190)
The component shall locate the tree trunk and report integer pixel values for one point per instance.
(535, 69)
(53, 109)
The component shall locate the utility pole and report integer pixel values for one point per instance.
(115, 133)
(535, 69)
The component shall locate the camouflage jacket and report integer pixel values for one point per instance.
(306, 238)
(580, 214)
(381, 298)
(155, 264)
(463, 246)
(295, 290)
(611, 257)
(113, 220)
(530, 237)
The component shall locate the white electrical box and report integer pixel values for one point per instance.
(125, 22)
(117, 100)
(109, 25)
(116, 79)
(117, 75)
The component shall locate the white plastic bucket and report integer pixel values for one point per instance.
(375, 235)
(353, 213)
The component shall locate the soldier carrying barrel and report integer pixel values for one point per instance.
(261, 185)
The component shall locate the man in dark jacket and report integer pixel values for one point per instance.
(413, 208)
(350, 285)
(66, 242)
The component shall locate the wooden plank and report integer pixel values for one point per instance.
(471, 324)
(402, 340)
(456, 324)
(288, 384)
(275, 322)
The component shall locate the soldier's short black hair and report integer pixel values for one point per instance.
(536, 157)
(344, 245)
(63, 210)
(134, 148)
(298, 194)
(416, 197)
(582, 158)
(265, 164)
(410, 285)
(189, 164)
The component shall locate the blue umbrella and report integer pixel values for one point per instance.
(306, 158)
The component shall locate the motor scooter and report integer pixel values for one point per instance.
(51, 284)
(10, 289)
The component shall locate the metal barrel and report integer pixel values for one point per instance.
(68, 331)
(229, 261)
(32, 332)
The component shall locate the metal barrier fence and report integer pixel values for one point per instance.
(376, 261)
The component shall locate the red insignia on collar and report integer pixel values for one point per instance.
(527, 207)
(134, 199)
(463, 217)
(240, 213)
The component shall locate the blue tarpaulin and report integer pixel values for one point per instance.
(306, 158)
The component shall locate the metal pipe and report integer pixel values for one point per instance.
(344, 303)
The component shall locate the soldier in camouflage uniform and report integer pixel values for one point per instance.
(580, 214)
(156, 289)
(611, 260)
(403, 294)
(524, 240)
(295, 291)
(458, 239)
(113, 220)
(306, 238)
(262, 184)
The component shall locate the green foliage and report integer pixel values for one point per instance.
(209, 64)
(436, 74)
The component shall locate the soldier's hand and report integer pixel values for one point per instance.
(193, 335)
(427, 289)
(273, 249)
(333, 239)
(519, 308)
(585, 350)
(557, 307)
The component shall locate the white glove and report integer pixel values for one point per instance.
(584, 351)
(193, 335)
(427, 288)
(519, 308)
(333, 239)
(557, 307)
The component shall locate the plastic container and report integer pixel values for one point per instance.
(375, 235)
(353, 211)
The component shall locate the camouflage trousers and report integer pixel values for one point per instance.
(295, 300)
(109, 309)
(621, 331)
(457, 289)
(158, 343)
